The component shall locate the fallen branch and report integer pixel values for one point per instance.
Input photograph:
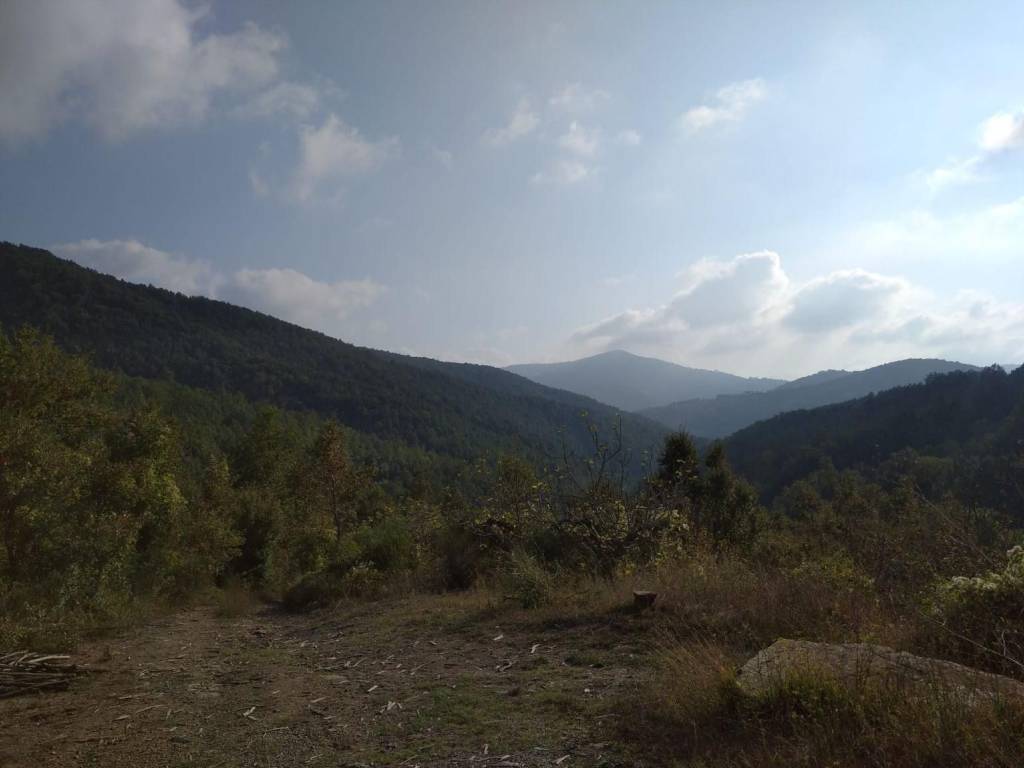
(24, 672)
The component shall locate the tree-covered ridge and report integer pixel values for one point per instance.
(723, 415)
(970, 425)
(448, 409)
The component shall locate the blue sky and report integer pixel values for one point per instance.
(765, 188)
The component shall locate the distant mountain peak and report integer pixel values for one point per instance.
(632, 382)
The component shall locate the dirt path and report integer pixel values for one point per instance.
(423, 681)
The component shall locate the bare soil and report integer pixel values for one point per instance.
(427, 681)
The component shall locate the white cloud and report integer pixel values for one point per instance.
(332, 152)
(296, 100)
(580, 140)
(522, 123)
(955, 173)
(731, 104)
(843, 299)
(745, 314)
(284, 293)
(121, 65)
(576, 98)
(564, 172)
(1002, 131)
(296, 297)
(131, 260)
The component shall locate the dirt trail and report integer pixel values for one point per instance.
(422, 681)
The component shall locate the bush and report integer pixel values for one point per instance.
(980, 620)
(389, 544)
(524, 580)
(327, 588)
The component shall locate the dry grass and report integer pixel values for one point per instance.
(696, 713)
(745, 607)
(712, 614)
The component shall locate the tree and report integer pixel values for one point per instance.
(87, 492)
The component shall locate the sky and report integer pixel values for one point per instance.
(763, 188)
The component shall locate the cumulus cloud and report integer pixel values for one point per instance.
(332, 152)
(522, 123)
(563, 171)
(285, 293)
(131, 260)
(842, 299)
(580, 140)
(294, 296)
(629, 138)
(730, 105)
(1002, 131)
(576, 98)
(746, 314)
(725, 292)
(719, 297)
(121, 65)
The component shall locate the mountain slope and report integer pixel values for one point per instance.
(966, 413)
(723, 415)
(462, 411)
(633, 383)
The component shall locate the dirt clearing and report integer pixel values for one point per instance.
(428, 681)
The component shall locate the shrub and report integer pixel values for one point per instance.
(389, 544)
(524, 580)
(980, 620)
(326, 588)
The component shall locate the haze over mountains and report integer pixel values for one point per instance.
(712, 404)
(725, 414)
(632, 382)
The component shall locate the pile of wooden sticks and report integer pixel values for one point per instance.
(26, 672)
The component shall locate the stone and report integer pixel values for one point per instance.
(856, 664)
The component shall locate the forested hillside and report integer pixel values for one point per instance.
(969, 425)
(460, 411)
(723, 415)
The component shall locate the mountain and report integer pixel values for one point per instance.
(632, 382)
(974, 420)
(453, 410)
(815, 378)
(725, 414)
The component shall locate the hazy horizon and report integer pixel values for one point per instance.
(763, 190)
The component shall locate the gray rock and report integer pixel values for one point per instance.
(859, 664)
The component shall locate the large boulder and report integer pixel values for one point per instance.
(860, 664)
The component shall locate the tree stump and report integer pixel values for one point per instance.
(642, 599)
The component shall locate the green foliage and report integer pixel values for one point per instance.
(388, 544)
(526, 581)
(958, 433)
(409, 409)
(88, 494)
(980, 619)
(717, 503)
